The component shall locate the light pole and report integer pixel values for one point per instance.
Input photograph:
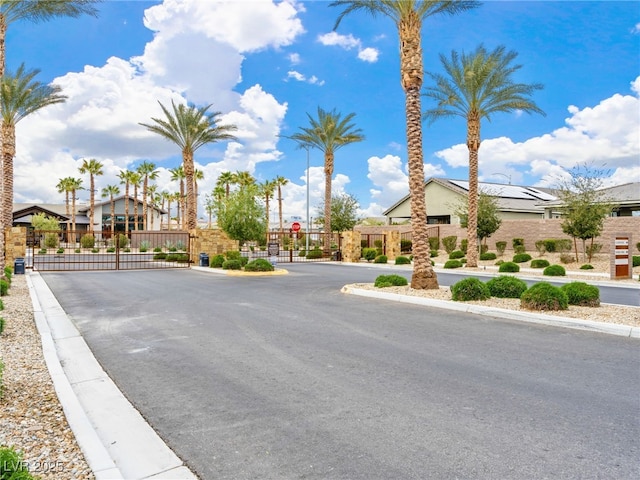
(508, 177)
(306, 237)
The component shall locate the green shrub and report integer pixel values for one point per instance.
(453, 264)
(365, 244)
(1, 391)
(521, 257)
(501, 247)
(125, 250)
(509, 267)
(638, 246)
(3, 322)
(233, 255)
(172, 257)
(402, 261)
(144, 246)
(390, 281)
(42, 251)
(232, 265)
(12, 466)
(4, 288)
(369, 254)
(549, 244)
(216, 261)
(317, 253)
(183, 257)
(469, 289)
(406, 245)
(61, 250)
(563, 245)
(95, 250)
(463, 245)
(488, 256)
(381, 259)
(433, 253)
(123, 240)
(87, 241)
(499, 262)
(180, 245)
(456, 254)
(566, 258)
(586, 266)
(77, 250)
(259, 265)
(1, 305)
(591, 250)
(8, 271)
(434, 243)
(157, 249)
(449, 243)
(111, 250)
(51, 240)
(635, 260)
(554, 271)
(505, 286)
(518, 245)
(539, 263)
(160, 256)
(540, 246)
(376, 243)
(544, 296)
(582, 294)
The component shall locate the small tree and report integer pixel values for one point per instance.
(489, 220)
(584, 206)
(40, 221)
(344, 212)
(241, 216)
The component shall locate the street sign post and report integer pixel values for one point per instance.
(295, 226)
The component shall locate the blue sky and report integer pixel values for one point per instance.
(266, 64)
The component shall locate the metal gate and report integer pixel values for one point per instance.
(292, 247)
(73, 251)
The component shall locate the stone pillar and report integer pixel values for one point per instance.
(392, 244)
(351, 251)
(16, 244)
(212, 242)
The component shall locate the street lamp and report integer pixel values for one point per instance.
(307, 235)
(508, 177)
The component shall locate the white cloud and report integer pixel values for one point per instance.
(302, 78)
(349, 42)
(294, 58)
(636, 28)
(368, 55)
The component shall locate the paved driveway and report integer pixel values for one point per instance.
(285, 377)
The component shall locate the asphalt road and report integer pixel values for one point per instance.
(284, 377)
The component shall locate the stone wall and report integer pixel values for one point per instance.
(212, 242)
(351, 251)
(16, 244)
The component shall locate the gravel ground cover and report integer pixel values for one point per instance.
(31, 418)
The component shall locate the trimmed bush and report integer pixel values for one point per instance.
(586, 266)
(232, 265)
(549, 244)
(407, 245)
(539, 263)
(566, 258)
(381, 259)
(636, 260)
(540, 246)
(509, 267)
(61, 250)
(518, 245)
(402, 261)
(521, 257)
(77, 250)
(369, 254)
(3, 322)
(317, 253)
(51, 240)
(433, 253)
(123, 240)
(469, 289)
(259, 265)
(582, 294)
(591, 250)
(172, 257)
(449, 243)
(232, 255)
(554, 271)
(501, 247)
(488, 256)
(453, 264)
(110, 250)
(434, 243)
(1, 305)
(159, 256)
(87, 241)
(157, 249)
(456, 254)
(216, 261)
(95, 250)
(463, 245)
(302, 253)
(544, 296)
(383, 281)
(505, 286)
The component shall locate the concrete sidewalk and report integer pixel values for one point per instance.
(116, 440)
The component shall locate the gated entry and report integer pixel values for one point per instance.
(65, 251)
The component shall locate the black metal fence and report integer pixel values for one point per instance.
(73, 251)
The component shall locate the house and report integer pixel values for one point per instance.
(443, 197)
(625, 197)
(23, 213)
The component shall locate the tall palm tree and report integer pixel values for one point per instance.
(20, 96)
(153, 200)
(135, 180)
(177, 175)
(328, 133)
(267, 188)
(110, 191)
(197, 175)
(190, 128)
(148, 172)
(75, 184)
(243, 179)
(408, 16)
(165, 196)
(281, 182)
(124, 177)
(475, 86)
(38, 11)
(94, 168)
(64, 186)
(226, 179)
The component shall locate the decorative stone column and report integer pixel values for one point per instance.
(212, 242)
(393, 244)
(351, 251)
(16, 244)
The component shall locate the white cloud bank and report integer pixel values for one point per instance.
(349, 42)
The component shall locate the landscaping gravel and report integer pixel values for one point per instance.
(31, 418)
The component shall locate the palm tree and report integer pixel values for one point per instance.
(281, 182)
(190, 128)
(243, 179)
(94, 168)
(164, 196)
(153, 199)
(148, 172)
(64, 186)
(267, 188)
(197, 175)
(110, 191)
(124, 177)
(135, 179)
(177, 174)
(75, 184)
(226, 179)
(37, 11)
(328, 133)
(20, 96)
(474, 87)
(408, 16)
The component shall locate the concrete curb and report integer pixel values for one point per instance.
(241, 273)
(544, 319)
(115, 439)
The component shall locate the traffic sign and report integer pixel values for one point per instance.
(295, 226)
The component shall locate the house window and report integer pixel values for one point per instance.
(439, 220)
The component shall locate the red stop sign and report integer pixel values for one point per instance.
(295, 226)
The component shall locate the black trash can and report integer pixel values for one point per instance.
(204, 260)
(18, 266)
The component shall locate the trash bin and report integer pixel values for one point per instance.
(204, 260)
(18, 266)
(337, 256)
